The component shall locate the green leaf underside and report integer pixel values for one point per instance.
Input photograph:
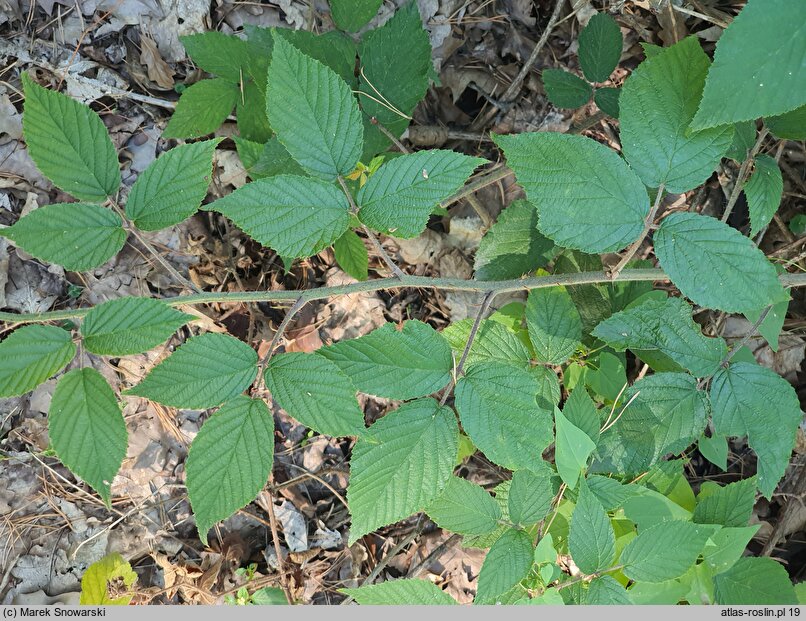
(229, 460)
(751, 400)
(730, 505)
(664, 551)
(400, 196)
(130, 325)
(401, 593)
(314, 391)
(313, 112)
(566, 90)
(499, 411)
(172, 188)
(296, 216)
(204, 372)
(572, 449)
(506, 564)
(600, 45)
(608, 99)
(352, 15)
(202, 108)
(86, 427)
(754, 580)
(553, 322)
(401, 465)
(223, 55)
(763, 190)
(32, 354)
(351, 255)
(493, 342)
(714, 265)
(789, 126)
(77, 236)
(531, 495)
(657, 104)
(399, 364)
(465, 508)
(587, 197)
(69, 143)
(591, 540)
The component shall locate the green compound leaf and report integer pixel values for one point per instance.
(600, 45)
(313, 112)
(555, 328)
(465, 508)
(506, 564)
(764, 190)
(130, 326)
(714, 265)
(587, 197)
(32, 354)
(770, 38)
(572, 449)
(202, 108)
(77, 236)
(608, 99)
(789, 126)
(401, 465)
(591, 540)
(313, 390)
(730, 505)
(401, 195)
(664, 551)
(351, 255)
(352, 15)
(172, 188)
(499, 411)
(86, 428)
(401, 593)
(754, 580)
(204, 372)
(95, 581)
(296, 216)
(398, 364)
(666, 326)
(751, 400)
(657, 104)
(223, 55)
(229, 461)
(69, 143)
(493, 342)
(607, 591)
(531, 495)
(513, 246)
(566, 90)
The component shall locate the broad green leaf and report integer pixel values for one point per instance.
(130, 325)
(513, 246)
(204, 372)
(274, 160)
(32, 354)
(610, 492)
(296, 216)
(352, 15)
(715, 450)
(572, 449)
(592, 301)
(248, 152)
(95, 581)
(649, 507)
(748, 399)
(333, 49)
(250, 112)
(313, 390)
(768, 37)
(313, 112)
(549, 393)
(608, 99)
(744, 136)
(664, 551)
(607, 591)
(351, 255)
(531, 495)
(555, 328)
(77, 236)
(586, 195)
(493, 342)
(86, 428)
(657, 104)
(501, 492)
(414, 361)
(229, 461)
(549, 597)
(498, 408)
(600, 47)
(69, 143)
(566, 90)
(789, 126)
(172, 188)
(754, 580)
(401, 593)
(592, 541)
(465, 508)
(763, 190)
(770, 328)
(668, 592)
(580, 411)
(731, 505)
(664, 325)
(401, 465)
(727, 546)
(202, 108)
(506, 564)
(606, 375)
(545, 552)
(400, 196)
(714, 265)
(223, 55)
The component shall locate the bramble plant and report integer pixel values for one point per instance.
(613, 499)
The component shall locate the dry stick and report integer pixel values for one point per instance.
(493, 175)
(744, 171)
(396, 141)
(434, 555)
(650, 220)
(588, 577)
(276, 539)
(295, 308)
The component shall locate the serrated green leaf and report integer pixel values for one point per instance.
(591, 541)
(531, 495)
(313, 390)
(202, 108)
(586, 195)
(609, 100)
(506, 564)
(274, 160)
(580, 411)
(96, 580)
(768, 36)
(493, 342)
(600, 45)
(572, 449)
(253, 123)
(401, 593)
(657, 104)
(606, 375)
(351, 255)
(731, 505)
(763, 190)
(649, 507)
(69, 143)
(610, 492)
(566, 90)
(664, 551)
(333, 49)
(77, 236)
(770, 328)
(715, 450)
(754, 580)
(296, 216)
(744, 136)
(727, 546)
(592, 301)
(32, 354)
(498, 408)
(352, 15)
(172, 188)
(501, 492)
(223, 55)
(269, 596)
(789, 126)
(414, 361)
(555, 328)
(229, 461)
(86, 428)
(607, 591)
(465, 508)
(130, 325)
(313, 112)
(401, 465)
(714, 265)
(549, 392)
(751, 400)
(204, 372)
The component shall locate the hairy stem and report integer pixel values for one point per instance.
(650, 219)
